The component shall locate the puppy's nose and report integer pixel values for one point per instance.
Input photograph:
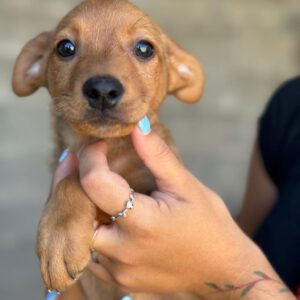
(103, 92)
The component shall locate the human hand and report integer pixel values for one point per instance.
(179, 239)
(175, 240)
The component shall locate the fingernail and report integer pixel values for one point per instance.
(145, 126)
(52, 295)
(93, 239)
(96, 225)
(126, 298)
(63, 156)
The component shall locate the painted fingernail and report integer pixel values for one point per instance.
(63, 156)
(52, 295)
(126, 298)
(145, 126)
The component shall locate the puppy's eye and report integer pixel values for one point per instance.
(144, 50)
(66, 48)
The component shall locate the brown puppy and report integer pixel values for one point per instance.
(106, 66)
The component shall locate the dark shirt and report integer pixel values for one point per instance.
(279, 142)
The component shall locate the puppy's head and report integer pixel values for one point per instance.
(106, 66)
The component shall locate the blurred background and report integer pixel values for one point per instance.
(247, 48)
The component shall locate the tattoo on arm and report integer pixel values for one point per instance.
(246, 288)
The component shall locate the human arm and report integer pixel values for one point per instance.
(260, 197)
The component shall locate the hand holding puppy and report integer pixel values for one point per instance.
(179, 239)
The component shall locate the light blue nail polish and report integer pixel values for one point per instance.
(126, 298)
(64, 155)
(52, 295)
(145, 126)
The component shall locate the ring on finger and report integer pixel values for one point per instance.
(128, 206)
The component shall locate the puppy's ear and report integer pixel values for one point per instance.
(186, 78)
(30, 68)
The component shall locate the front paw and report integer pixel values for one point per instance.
(64, 248)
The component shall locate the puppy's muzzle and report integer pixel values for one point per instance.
(103, 92)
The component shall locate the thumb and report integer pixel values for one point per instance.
(158, 157)
(68, 164)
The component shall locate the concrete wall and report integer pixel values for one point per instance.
(247, 49)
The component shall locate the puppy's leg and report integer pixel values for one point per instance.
(65, 234)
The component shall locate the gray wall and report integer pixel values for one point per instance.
(247, 49)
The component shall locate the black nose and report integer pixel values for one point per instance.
(103, 92)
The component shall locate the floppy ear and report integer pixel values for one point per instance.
(186, 78)
(30, 68)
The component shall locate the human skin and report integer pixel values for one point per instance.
(181, 238)
(260, 197)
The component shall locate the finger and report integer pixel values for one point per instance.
(160, 159)
(106, 240)
(67, 165)
(109, 191)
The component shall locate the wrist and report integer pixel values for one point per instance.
(245, 272)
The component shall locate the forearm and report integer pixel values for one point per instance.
(248, 275)
(260, 196)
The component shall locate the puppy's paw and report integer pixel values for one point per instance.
(63, 246)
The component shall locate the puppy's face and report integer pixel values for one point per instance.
(106, 66)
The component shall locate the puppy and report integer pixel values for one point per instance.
(106, 66)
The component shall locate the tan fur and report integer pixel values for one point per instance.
(105, 32)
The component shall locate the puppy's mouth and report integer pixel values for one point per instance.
(121, 118)
(105, 121)
(77, 113)
(105, 116)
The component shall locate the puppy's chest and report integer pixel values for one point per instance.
(122, 158)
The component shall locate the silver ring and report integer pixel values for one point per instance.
(128, 206)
